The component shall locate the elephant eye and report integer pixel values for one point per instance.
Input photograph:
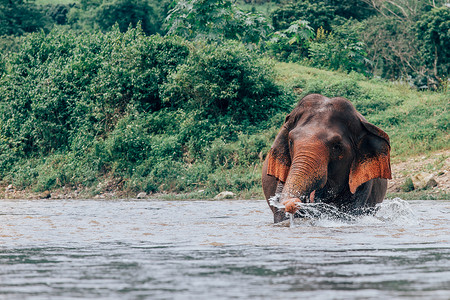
(290, 144)
(337, 148)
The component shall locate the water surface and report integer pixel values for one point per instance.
(63, 249)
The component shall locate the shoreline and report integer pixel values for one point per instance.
(435, 164)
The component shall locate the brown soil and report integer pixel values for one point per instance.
(437, 164)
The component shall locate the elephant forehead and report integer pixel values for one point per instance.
(324, 104)
(330, 116)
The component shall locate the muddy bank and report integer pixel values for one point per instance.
(433, 169)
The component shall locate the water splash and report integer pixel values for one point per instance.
(312, 212)
(392, 211)
(275, 201)
(396, 211)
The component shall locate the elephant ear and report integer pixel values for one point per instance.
(372, 156)
(279, 158)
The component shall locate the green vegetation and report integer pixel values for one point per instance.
(417, 122)
(155, 114)
(186, 96)
(408, 185)
(216, 20)
(44, 2)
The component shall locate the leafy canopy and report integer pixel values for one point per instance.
(215, 20)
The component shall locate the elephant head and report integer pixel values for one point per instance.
(325, 152)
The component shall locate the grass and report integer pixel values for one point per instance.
(419, 195)
(417, 122)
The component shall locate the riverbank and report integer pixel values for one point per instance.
(112, 148)
(433, 167)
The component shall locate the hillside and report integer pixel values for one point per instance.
(419, 144)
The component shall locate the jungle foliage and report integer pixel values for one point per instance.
(156, 113)
(187, 96)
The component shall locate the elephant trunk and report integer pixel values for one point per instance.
(308, 173)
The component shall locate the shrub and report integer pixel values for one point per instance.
(433, 35)
(317, 13)
(408, 185)
(216, 20)
(66, 88)
(339, 50)
(20, 16)
(57, 12)
(127, 13)
(292, 44)
(225, 81)
(104, 14)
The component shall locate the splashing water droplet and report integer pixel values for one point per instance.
(275, 201)
(396, 211)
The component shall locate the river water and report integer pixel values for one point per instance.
(72, 249)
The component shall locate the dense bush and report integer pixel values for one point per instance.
(225, 81)
(433, 30)
(127, 13)
(58, 12)
(147, 113)
(20, 16)
(292, 43)
(216, 20)
(339, 50)
(317, 13)
(66, 88)
(103, 14)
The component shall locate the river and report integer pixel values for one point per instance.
(133, 249)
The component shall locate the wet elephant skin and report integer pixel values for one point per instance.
(327, 152)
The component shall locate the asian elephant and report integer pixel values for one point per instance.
(327, 152)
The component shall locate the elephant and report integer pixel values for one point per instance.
(326, 152)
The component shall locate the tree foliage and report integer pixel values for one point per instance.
(127, 13)
(340, 50)
(20, 16)
(433, 32)
(317, 13)
(103, 14)
(292, 43)
(67, 82)
(143, 110)
(390, 49)
(216, 20)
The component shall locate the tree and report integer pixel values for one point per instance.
(391, 47)
(127, 13)
(103, 14)
(403, 10)
(215, 20)
(433, 33)
(317, 13)
(355, 9)
(20, 16)
(292, 44)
